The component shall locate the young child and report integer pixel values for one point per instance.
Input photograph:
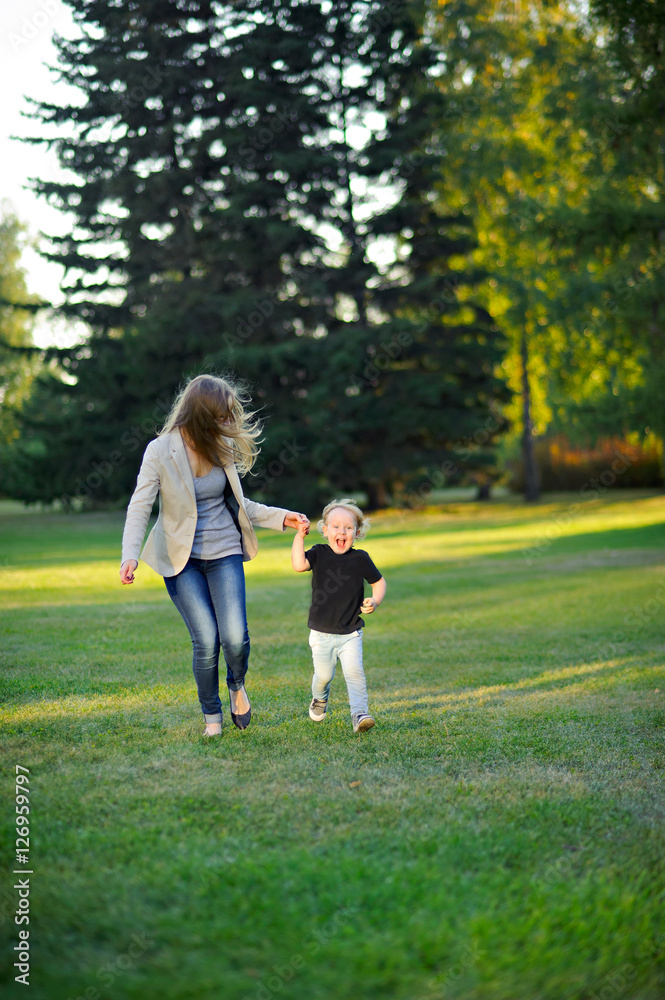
(338, 572)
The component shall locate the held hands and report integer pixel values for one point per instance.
(298, 521)
(127, 571)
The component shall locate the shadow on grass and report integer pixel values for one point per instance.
(548, 681)
(157, 707)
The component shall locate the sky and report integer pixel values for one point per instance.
(26, 46)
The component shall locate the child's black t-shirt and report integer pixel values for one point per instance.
(337, 588)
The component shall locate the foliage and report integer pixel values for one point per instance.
(257, 190)
(559, 145)
(614, 234)
(17, 369)
(613, 463)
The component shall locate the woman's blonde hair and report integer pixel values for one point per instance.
(362, 522)
(211, 413)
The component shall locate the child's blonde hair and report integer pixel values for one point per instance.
(362, 522)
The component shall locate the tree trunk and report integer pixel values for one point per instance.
(531, 485)
(376, 494)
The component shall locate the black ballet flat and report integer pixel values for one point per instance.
(240, 721)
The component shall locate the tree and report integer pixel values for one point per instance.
(518, 71)
(409, 357)
(618, 229)
(184, 157)
(235, 173)
(17, 368)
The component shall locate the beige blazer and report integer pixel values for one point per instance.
(165, 470)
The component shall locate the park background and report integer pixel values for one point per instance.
(428, 237)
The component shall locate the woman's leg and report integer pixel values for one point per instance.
(226, 582)
(350, 651)
(190, 593)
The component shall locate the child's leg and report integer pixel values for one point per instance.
(350, 651)
(324, 658)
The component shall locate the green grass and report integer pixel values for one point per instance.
(497, 836)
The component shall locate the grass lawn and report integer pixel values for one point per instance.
(497, 836)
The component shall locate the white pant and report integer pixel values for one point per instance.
(326, 649)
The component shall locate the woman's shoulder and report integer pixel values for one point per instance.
(153, 448)
(164, 442)
(158, 449)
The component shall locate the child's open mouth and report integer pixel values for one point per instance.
(341, 543)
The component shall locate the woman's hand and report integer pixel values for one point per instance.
(127, 571)
(295, 520)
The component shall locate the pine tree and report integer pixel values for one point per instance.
(412, 356)
(236, 172)
(403, 374)
(186, 155)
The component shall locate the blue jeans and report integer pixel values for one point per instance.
(326, 648)
(210, 596)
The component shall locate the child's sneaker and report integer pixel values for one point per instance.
(362, 722)
(318, 709)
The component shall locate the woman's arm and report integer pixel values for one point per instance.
(276, 518)
(273, 517)
(138, 513)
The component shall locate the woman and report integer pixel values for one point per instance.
(204, 531)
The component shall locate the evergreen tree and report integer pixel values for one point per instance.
(259, 189)
(403, 374)
(185, 157)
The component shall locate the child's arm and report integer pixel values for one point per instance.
(298, 560)
(378, 593)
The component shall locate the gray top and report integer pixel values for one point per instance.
(216, 534)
